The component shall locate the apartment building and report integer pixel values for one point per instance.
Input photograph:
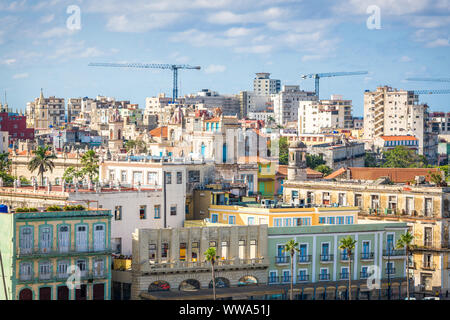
(73, 108)
(207, 99)
(439, 122)
(424, 207)
(386, 143)
(40, 248)
(15, 126)
(321, 269)
(314, 116)
(263, 85)
(286, 103)
(45, 112)
(392, 112)
(340, 154)
(170, 263)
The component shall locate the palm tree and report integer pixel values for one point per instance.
(89, 160)
(291, 246)
(406, 241)
(42, 161)
(210, 255)
(348, 244)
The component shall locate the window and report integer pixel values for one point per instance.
(123, 176)
(214, 218)
(81, 238)
(152, 178)
(157, 211)
(45, 270)
(173, 210)
(182, 251)
(224, 246)
(374, 201)
(179, 177)
(143, 212)
(152, 251)
(278, 222)
(251, 220)
(25, 271)
(358, 200)
(287, 222)
(99, 237)
(253, 249)
(340, 220)
(392, 202)
(168, 178)
(45, 239)
(194, 250)
(330, 220)
(231, 219)
(194, 176)
(164, 250)
(428, 207)
(99, 267)
(81, 264)
(349, 220)
(62, 267)
(241, 249)
(321, 220)
(26, 240)
(344, 273)
(325, 198)
(118, 213)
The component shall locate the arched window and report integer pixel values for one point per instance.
(247, 281)
(220, 283)
(26, 294)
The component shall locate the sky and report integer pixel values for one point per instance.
(43, 46)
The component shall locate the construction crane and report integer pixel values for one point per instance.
(431, 91)
(430, 79)
(317, 76)
(173, 67)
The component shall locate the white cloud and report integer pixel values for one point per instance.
(405, 59)
(47, 19)
(438, 43)
(8, 61)
(20, 76)
(138, 24)
(239, 32)
(215, 68)
(387, 7)
(254, 49)
(312, 57)
(57, 32)
(228, 17)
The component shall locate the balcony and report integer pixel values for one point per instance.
(324, 276)
(344, 275)
(390, 270)
(326, 258)
(367, 255)
(394, 254)
(344, 256)
(428, 266)
(364, 275)
(303, 278)
(304, 259)
(285, 279)
(273, 280)
(57, 277)
(183, 266)
(282, 259)
(48, 253)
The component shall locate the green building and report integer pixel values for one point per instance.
(39, 250)
(321, 269)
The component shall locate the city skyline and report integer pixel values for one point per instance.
(230, 43)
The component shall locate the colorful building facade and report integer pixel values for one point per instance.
(39, 250)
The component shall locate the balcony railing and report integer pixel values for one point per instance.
(304, 258)
(364, 275)
(166, 264)
(285, 279)
(344, 256)
(44, 252)
(303, 278)
(367, 255)
(323, 276)
(394, 253)
(58, 277)
(390, 270)
(326, 257)
(344, 275)
(428, 266)
(282, 259)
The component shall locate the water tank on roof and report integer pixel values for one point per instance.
(3, 208)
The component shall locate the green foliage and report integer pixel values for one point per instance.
(347, 244)
(405, 241)
(283, 151)
(402, 157)
(74, 208)
(71, 173)
(326, 170)
(313, 161)
(54, 208)
(370, 160)
(291, 246)
(139, 145)
(5, 162)
(437, 179)
(26, 209)
(89, 160)
(42, 161)
(210, 254)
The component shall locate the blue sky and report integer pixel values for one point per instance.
(231, 40)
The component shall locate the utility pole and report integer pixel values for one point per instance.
(3, 277)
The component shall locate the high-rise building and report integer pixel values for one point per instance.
(286, 103)
(262, 84)
(392, 112)
(313, 116)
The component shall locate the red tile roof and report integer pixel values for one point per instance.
(157, 132)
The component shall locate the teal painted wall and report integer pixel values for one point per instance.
(6, 248)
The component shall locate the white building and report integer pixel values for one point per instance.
(263, 85)
(392, 112)
(286, 103)
(313, 116)
(4, 139)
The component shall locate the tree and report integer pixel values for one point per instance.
(291, 246)
(370, 160)
(326, 170)
(138, 145)
(406, 241)
(5, 163)
(348, 244)
(42, 161)
(210, 255)
(402, 157)
(283, 151)
(71, 173)
(313, 160)
(89, 160)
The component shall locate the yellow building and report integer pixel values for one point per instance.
(255, 214)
